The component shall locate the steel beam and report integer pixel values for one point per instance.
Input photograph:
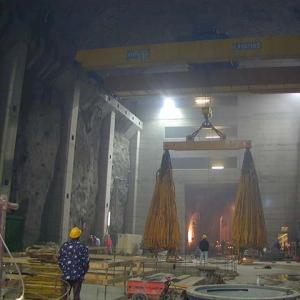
(206, 145)
(106, 160)
(112, 103)
(11, 85)
(191, 52)
(70, 153)
(5, 205)
(133, 182)
(118, 107)
(280, 79)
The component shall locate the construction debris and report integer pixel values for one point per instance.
(46, 253)
(42, 280)
(42, 276)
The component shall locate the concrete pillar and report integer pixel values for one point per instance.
(297, 206)
(106, 159)
(11, 84)
(68, 169)
(180, 204)
(133, 183)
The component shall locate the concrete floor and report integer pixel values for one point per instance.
(94, 292)
(277, 275)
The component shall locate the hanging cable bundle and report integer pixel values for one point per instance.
(162, 226)
(248, 221)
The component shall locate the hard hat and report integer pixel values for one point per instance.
(204, 236)
(75, 233)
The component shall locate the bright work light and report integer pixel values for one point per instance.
(169, 110)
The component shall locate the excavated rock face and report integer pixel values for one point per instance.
(120, 175)
(36, 150)
(86, 170)
(39, 167)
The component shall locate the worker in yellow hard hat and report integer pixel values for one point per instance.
(75, 233)
(73, 259)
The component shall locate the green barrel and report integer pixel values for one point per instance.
(14, 232)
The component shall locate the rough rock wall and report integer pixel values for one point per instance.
(120, 178)
(40, 156)
(36, 150)
(86, 168)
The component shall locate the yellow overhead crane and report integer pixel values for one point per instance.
(204, 51)
(284, 77)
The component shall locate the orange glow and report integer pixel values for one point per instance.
(190, 234)
(192, 229)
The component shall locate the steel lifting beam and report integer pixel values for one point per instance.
(237, 49)
(207, 145)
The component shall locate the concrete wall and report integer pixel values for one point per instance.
(271, 121)
(120, 181)
(298, 199)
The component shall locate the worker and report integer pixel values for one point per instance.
(95, 241)
(277, 245)
(73, 259)
(108, 244)
(204, 247)
(223, 246)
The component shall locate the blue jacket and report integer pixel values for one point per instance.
(73, 259)
(204, 245)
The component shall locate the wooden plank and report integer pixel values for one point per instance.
(111, 264)
(206, 145)
(119, 257)
(189, 282)
(105, 272)
(20, 260)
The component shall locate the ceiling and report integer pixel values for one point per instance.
(85, 24)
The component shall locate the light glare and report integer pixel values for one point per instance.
(217, 167)
(169, 103)
(212, 137)
(202, 101)
(169, 110)
(108, 219)
(295, 95)
(190, 235)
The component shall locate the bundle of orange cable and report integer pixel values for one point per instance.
(162, 226)
(248, 229)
